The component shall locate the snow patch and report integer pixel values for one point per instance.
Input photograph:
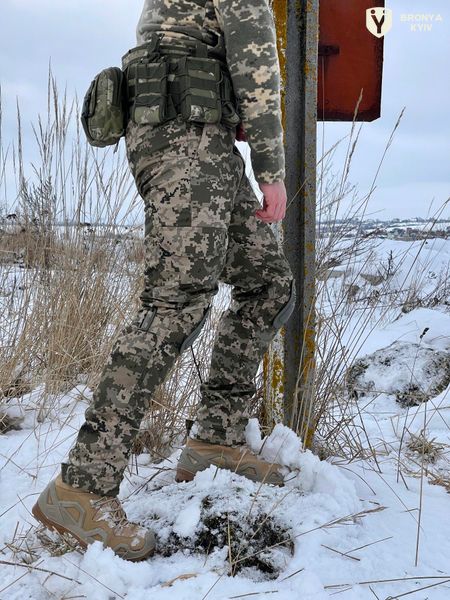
(411, 372)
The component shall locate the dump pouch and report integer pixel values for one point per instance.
(104, 113)
(200, 80)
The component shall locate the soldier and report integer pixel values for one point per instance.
(203, 224)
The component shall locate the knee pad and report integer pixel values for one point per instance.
(283, 315)
(190, 339)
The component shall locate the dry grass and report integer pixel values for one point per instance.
(65, 288)
(429, 448)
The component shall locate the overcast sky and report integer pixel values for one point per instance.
(85, 36)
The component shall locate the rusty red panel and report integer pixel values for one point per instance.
(350, 58)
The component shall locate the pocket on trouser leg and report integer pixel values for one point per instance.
(193, 257)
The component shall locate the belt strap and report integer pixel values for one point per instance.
(153, 48)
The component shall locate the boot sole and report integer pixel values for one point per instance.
(39, 516)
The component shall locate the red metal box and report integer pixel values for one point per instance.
(350, 58)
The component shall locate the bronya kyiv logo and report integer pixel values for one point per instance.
(378, 20)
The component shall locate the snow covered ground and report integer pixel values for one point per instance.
(373, 528)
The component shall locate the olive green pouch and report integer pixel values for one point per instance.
(200, 80)
(147, 85)
(104, 113)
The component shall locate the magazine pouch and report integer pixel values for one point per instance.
(199, 85)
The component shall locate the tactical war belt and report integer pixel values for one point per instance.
(157, 83)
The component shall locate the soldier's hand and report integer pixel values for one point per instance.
(274, 203)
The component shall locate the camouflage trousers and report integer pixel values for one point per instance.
(200, 229)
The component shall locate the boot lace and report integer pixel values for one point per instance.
(111, 511)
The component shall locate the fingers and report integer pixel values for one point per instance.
(268, 217)
(274, 205)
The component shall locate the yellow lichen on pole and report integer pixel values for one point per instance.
(279, 9)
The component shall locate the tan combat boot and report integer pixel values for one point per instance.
(197, 456)
(90, 518)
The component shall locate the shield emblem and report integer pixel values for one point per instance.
(378, 20)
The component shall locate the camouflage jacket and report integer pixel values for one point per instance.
(243, 34)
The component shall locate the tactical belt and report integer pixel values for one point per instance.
(167, 80)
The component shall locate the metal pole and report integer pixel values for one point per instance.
(289, 366)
